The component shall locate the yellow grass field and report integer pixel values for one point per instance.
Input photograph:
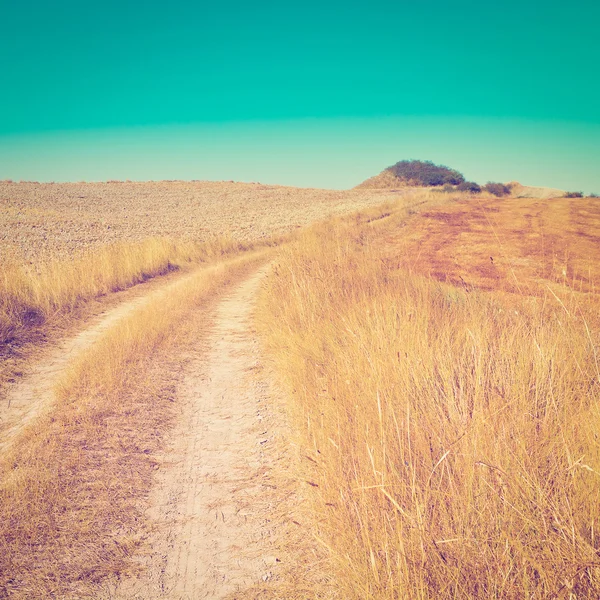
(76, 472)
(439, 361)
(443, 373)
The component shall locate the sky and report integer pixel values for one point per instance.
(314, 94)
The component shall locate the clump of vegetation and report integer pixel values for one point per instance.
(573, 195)
(497, 189)
(592, 195)
(418, 172)
(469, 186)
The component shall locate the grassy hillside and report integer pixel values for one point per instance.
(448, 417)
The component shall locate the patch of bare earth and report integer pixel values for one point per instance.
(528, 191)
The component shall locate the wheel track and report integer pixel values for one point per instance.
(33, 395)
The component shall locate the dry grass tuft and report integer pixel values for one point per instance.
(31, 296)
(450, 433)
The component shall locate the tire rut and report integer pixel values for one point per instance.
(34, 394)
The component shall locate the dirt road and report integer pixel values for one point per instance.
(33, 395)
(209, 505)
(216, 512)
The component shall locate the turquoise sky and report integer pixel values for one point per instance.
(312, 94)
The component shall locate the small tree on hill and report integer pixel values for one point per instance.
(425, 173)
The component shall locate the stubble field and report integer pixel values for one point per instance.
(41, 220)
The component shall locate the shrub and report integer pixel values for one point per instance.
(592, 195)
(469, 186)
(498, 189)
(425, 173)
(573, 195)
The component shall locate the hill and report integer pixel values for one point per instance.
(519, 190)
(413, 173)
(385, 180)
(417, 173)
(442, 365)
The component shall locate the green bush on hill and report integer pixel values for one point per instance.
(498, 189)
(469, 186)
(425, 173)
(573, 195)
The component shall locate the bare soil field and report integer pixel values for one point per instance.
(519, 245)
(62, 219)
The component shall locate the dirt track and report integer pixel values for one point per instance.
(34, 394)
(208, 503)
(211, 530)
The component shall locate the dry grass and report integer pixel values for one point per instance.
(72, 482)
(31, 296)
(511, 245)
(450, 431)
